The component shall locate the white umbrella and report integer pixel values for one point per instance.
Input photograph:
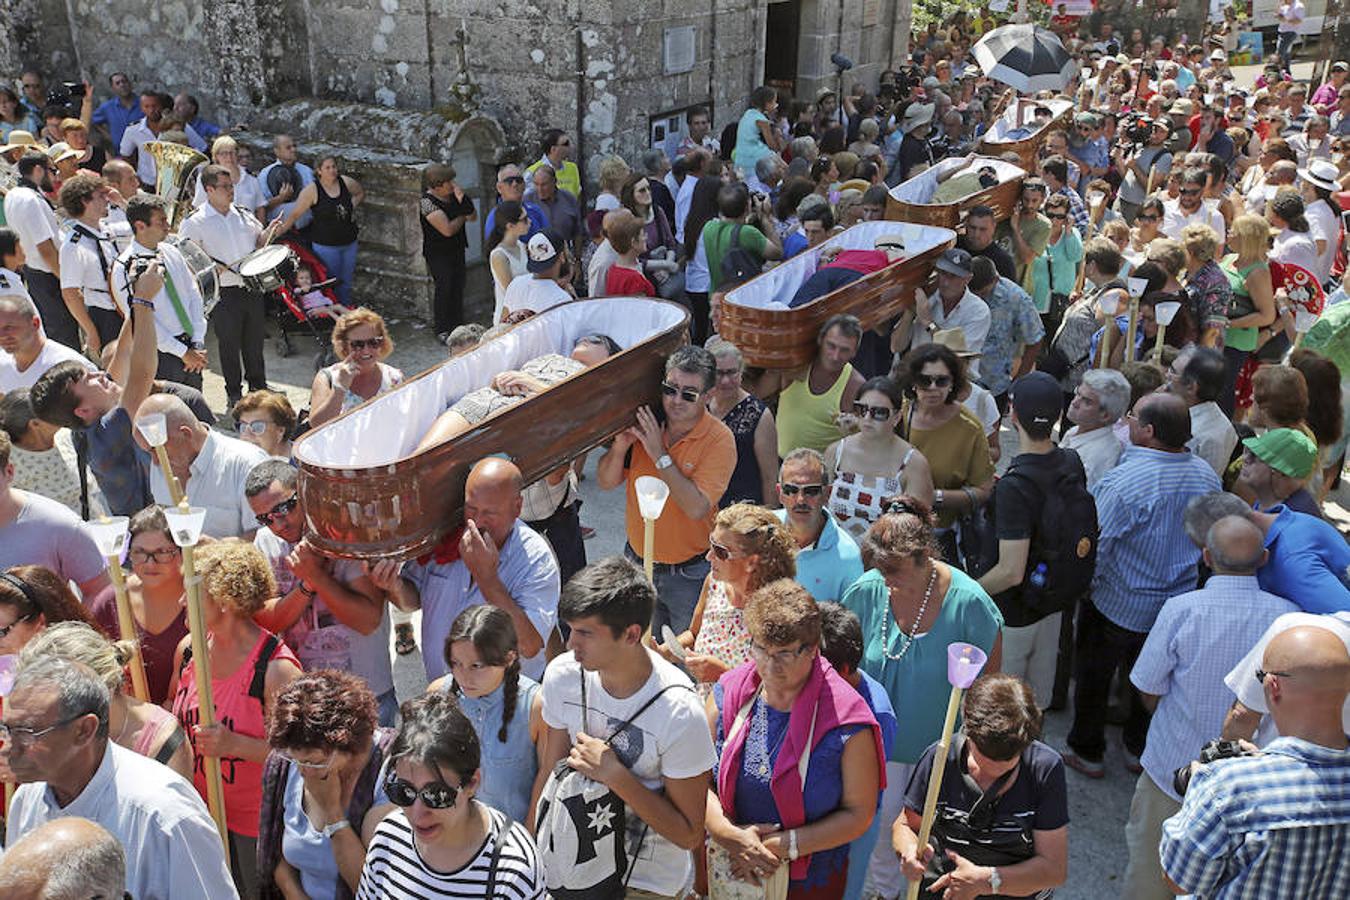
(1027, 58)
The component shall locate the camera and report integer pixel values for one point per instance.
(68, 94)
(1181, 779)
(841, 62)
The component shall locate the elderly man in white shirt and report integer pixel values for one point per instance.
(228, 233)
(56, 744)
(952, 305)
(180, 317)
(1198, 376)
(211, 467)
(1098, 403)
(1191, 209)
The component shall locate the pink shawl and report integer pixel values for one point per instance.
(839, 704)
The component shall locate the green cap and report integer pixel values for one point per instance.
(1286, 450)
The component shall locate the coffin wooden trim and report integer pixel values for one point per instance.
(391, 503)
(1002, 197)
(776, 337)
(1027, 148)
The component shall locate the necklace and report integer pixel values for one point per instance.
(913, 629)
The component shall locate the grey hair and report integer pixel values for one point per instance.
(695, 361)
(1112, 390)
(804, 147)
(261, 476)
(806, 455)
(720, 346)
(1230, 528)
(811, 206)
(766, 165)
(80, 690)
(66, 862)
(1203, 511)
(651, 160)
(14, 303)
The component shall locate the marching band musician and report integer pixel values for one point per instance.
(180, 320)
(120, 177)
(87, 255)
(229, 232)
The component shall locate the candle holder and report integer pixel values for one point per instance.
(185, 527)
(1164, 312)
(652, 494)
(154, 429)
(110, 535)
(1109, 304)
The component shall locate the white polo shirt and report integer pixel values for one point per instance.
(167, 324)
(537, 294)
(216, 482)
(1174, 219)
(52, 352)
(86, 262)
(31, 216)
(226, 237)
(138, 135)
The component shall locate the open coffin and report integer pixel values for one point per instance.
(366, 496)
(912, 200)
(996, 142)
(756, 318)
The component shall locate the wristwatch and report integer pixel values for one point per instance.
(664, 461)
(995, 879)
(938, 497)
(792, 845)
(329, 830)
(931, 328)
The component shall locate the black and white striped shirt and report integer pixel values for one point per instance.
(394, 870)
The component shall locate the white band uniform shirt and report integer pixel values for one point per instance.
(87, 257)
(167, 324)
(30, 215)
(138, 135)
(247, 193)
(226, 237)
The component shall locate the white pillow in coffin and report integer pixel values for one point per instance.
(1008, 121)
(386, 429)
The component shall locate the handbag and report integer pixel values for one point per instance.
(722, 884)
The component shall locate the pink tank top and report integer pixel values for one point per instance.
(242, 714)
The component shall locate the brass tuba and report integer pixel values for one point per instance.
(174, 168)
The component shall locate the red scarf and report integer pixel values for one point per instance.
(446, 550)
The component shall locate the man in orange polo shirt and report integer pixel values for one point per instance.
(693, 453)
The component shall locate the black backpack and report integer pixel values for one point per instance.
(738, 263)
(1063, 553)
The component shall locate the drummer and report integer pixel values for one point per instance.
(228, 233)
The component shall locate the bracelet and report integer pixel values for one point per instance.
(141, 301)
(306, 590)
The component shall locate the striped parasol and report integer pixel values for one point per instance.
(1027, 58)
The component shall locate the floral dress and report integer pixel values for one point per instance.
(723, 633)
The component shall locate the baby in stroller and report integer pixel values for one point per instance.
(316, 304)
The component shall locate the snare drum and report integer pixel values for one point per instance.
(268, 268)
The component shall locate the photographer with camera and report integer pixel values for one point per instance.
(1196, 640)
(1273, 824)
(1140, 152)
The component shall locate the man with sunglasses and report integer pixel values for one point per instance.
(1197, 639)
(55, 737)
(328, 609)
(211, 467)
(1190, 207)
(511, 186)
(694, 454)
(828, 559)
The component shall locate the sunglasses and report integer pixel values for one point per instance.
(373, 343)
(436, 795)
(1057, 215)
(688, 395)
(721, 551)
(514, 179)
(1190, 192)
(933, 381)
(256, 427)
(876, 413)
(781, 657)
(280, 511)
(1146, 217)
(806, 490)
(1262, 673)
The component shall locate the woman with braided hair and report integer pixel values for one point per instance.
(503, 705)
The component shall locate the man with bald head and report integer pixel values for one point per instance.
(1275, 824)
(1143, 558)
(1196, 640)
(64, 858)
(211, 467)
(494, 558)
(283, 180)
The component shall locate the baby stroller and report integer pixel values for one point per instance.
(273, 271)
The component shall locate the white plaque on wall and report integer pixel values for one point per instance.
(679, 49)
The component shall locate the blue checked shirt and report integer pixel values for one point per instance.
(1197, 639)
(1264, 828)
(1143, 554)
(1013, 322)
(1077, 209)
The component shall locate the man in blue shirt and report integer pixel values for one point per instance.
(1143, 558)
(828, 559)
(120, 110)
(511, 186)
(1309, 560)
(185, 107)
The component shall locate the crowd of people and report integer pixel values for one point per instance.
(763, 715)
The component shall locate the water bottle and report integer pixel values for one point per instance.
(1037, 576)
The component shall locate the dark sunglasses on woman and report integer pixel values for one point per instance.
(436, 795)
(876, 413)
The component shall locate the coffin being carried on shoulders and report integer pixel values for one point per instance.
(1008, 134)
(925, 197)
(367, 494)
(756, 316)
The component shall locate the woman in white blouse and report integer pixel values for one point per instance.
(506, 252)
(247, 191)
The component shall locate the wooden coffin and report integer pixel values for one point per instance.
(911, 201)
(366, 496)
(756, 318)
(994, 142)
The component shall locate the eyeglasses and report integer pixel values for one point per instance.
(314, 767)
(25, 733)
(729, 373)
(162, 555)
(781, 657)
(876, 413)
(257, 426)
(1190, 192)
(688, 395)
(806, 490)
(933, 381)
(1262, 673)
(721, 551)
(436, 795)
(280, 511)
(514, 179)
(4, 632)
(1147, 217)
(373, 343)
